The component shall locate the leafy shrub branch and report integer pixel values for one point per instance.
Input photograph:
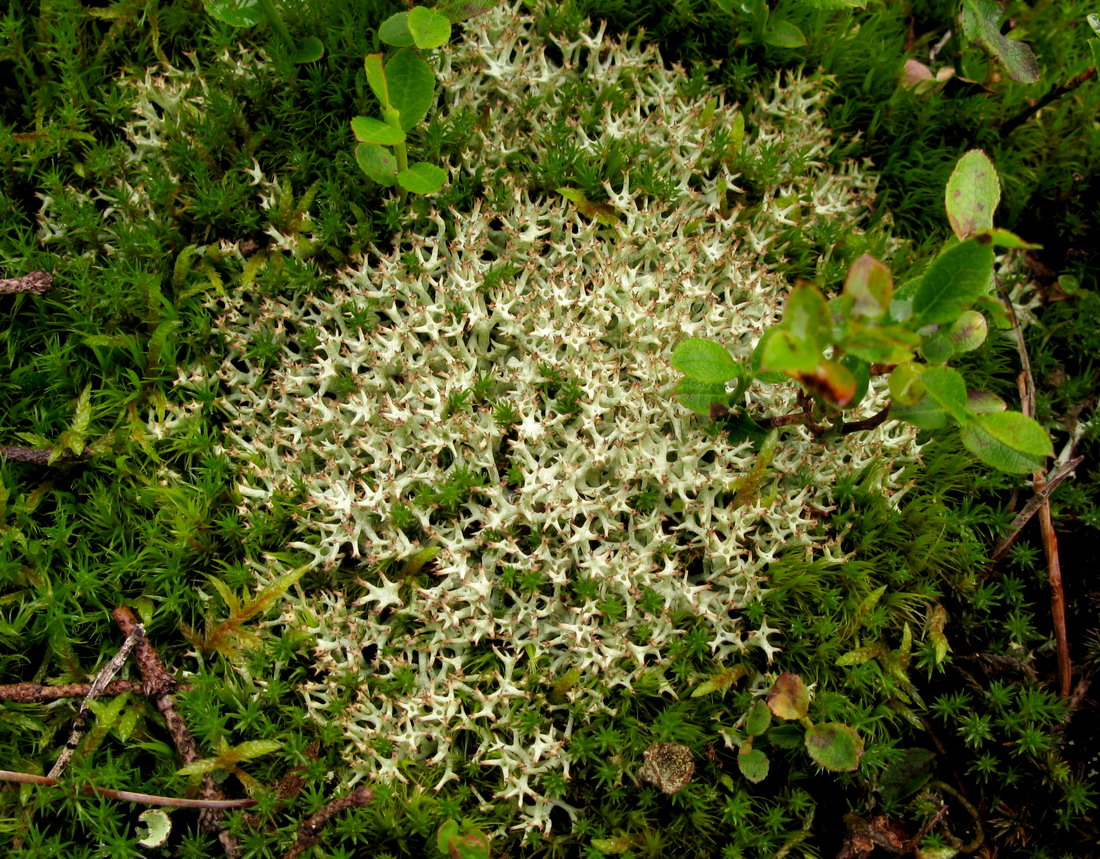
(832, 347)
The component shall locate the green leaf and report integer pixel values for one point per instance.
(612, 846)
(783, 34)
(984, 403)
(1008, 441)
(785, 353)
(411, 85)
(807, 317)
(947, 388)
(834, 746)
(937, 348)
(736, 136)
(861, 655)
(831, 381)
(757, 359)
(968, 332)
(376, 77)
(953, 282)
(395, 31)
(925, 414)
(879, 344)
(422, 178)
(83, 413)
(251, 749)
(309, 50)
(789, 698)
(705, 361)
(753, 763)
(700, 396)
(1094, 22)
(429, 29)
(835, 4)
(981, 23)
(905, 383)
(1005, 239)
(604, 213)
(236, 13)
(870, 287)
(367, 129)
(936, 623)
(1094, 49)
(861, 370)
(759, 719)
(973, 193)
(377, 162)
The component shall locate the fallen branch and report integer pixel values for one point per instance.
(1031, 508)
(41, 456)
(129, 795)
(35, 283)
(159, 685)
(309, 832)
(36, 693)
(98, 686)
(1053, 94)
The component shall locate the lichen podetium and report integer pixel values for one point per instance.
(601, 305)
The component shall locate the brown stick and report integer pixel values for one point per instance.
(1050, 539)
(159, 685)
(98, 685)
(129, 795)
(1055, 93)
(877, 418)
(309, 832)
(39, 456)
(1031, 508)
(33, 693)
(35, 283)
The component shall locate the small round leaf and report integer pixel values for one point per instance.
(789, 698)
(834, 746)
(422, 178)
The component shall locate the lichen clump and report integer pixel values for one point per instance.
(498, 389)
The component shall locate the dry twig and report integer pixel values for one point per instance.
(98, 686)
(35, 283)
(1026, 382)
(309, 832)
(34, 693)
(159, 685)
(129, 795)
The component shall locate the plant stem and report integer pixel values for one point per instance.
(35, 283)
(129, 795)
(1055, 93)
(94, 691)
(159, 685)
(309, 832)
(1026, 382)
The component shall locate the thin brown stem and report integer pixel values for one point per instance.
(1053, 94)
(309, 832)
(129, 795)
(1050, 538)
(40, 456)
(159, 685)
(33, 693)
(1031, 508)
(878, 418)
(35, 283)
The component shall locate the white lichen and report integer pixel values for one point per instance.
(357, 425)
